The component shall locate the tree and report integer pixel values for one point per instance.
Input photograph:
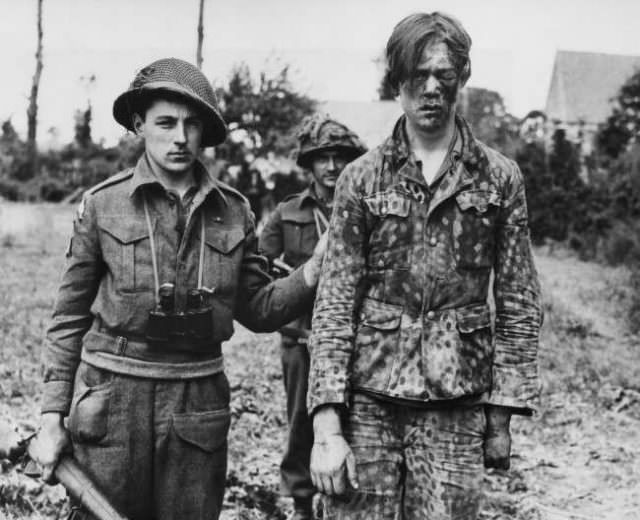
(263, 116)
(200, 35)
(486, 113)
(32, 111)
(623, 125)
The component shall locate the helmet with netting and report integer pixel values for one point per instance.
(319, 133)
(177, 78)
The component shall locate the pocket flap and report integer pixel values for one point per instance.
(206, 430)
(380, 315)
(297, 216)
(224, 240)
(123, 228)
(478, 199)
(385, 203)
(473, 317)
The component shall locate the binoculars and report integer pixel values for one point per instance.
(194, 325)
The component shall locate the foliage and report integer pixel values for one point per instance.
(623, 125)
(491, 123)
(261, 116)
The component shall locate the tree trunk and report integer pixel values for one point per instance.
(200, 36)
(32, 111)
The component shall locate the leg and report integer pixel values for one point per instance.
(110, 422)
(373, 431)
(295, 478)
(445, 464)
(191, 422)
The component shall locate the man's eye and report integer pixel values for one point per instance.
(448, 76)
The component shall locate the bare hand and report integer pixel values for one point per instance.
(497, 441)
(49, 444)
(9, 440)
(333, 466)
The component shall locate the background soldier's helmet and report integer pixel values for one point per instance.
(179, 78)
(321, 133)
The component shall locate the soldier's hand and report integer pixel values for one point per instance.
(313, 266)
(333, 466)
(48, 445)
(497, 441)
(9, 440)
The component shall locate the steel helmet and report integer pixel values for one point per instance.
(178, 77)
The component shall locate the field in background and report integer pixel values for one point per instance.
(579, 459)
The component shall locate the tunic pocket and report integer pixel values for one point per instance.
(391, 238)
(376, 342)
(474, 228)
(224, 257)
(126, 251)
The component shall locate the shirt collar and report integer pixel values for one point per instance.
(143, 175)
(464, 147)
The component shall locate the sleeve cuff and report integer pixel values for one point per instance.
(57, 397)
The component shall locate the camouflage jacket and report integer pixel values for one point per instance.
(108, 287)
(402, 305)
(291, 232)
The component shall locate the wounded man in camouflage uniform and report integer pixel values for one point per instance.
(291, 234)
(162, 259)
(410, 389)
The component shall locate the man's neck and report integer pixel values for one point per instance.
(180, 182)
(423, 143)
(323, 193)
(431, 149)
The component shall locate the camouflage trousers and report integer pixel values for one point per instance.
(157, 448)
(412, 463)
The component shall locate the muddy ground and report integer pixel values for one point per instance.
(578, 459)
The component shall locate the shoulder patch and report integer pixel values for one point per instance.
(114, 179)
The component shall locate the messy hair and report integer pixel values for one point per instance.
(412, 34)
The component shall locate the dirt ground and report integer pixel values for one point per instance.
(578, 459)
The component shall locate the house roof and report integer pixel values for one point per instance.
(584, 83)
(372, 120)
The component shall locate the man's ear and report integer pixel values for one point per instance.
(465, 74)
(138, 125)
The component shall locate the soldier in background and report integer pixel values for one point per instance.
(290, 234)
(162, 259)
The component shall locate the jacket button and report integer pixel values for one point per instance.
(433, 241)
(431, 315)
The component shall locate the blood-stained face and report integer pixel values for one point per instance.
(428, 98)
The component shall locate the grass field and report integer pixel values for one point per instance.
(579, 459)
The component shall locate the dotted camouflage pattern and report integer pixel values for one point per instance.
(402, 308)
(319, 132)
(404, 462)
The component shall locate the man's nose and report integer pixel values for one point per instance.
(180, 133)
(331, 163)
(432, 85)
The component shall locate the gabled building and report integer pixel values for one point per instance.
(582, 87)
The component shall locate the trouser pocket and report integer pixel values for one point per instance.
(89, 413)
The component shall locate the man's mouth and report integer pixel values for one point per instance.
(180, 156)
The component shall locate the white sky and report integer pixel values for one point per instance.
(331, 45)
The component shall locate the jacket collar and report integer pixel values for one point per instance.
(466, 149)
(143, 175)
